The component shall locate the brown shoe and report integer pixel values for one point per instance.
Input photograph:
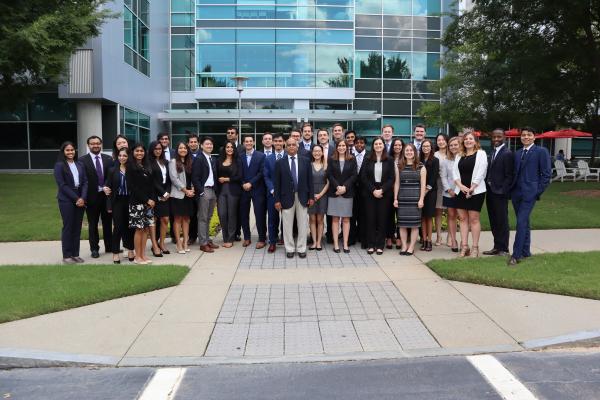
(272, 248)
(260, 245)
(206, 248)
(246, 243)
(212, 245)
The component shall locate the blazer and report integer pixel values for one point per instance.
(254, 173)
(367, 177)
(269, 171)
(113, 181)
(447, 175)
(159, 187)
(200, 172)
(178, 181)
(284, 184)
(346, 178)
(432, 166)
(92, 177)
(500, 172)
(478, 172)
(235, 185)
(141, 184)
(67, 191)
(532, 175)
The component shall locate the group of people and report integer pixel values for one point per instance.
(331, 189)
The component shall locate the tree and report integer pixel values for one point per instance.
(37, 38)
(534, 62)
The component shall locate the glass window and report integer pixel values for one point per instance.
(419, 69)
(396, 65)
(216, 1)
(144, 120)
(255, 12)
(255, 58)
(45, 135)
(347, 3)
(368, 64)
(368, 21)
(215, 12)
(131, 117)
(182, 41)
(396, 44)
(212, 80)
(334, 59)
(14, 136)
(184, 5)
(397, 7)
(182, 84)
(182, 63)
(366, 128)
(182, 19)
(368, 43)
(295, 80)
(433, 66)
(19, 114)
(215, 58)
(136, 35)
(295, 58)
(43, 159)
(396, 107)
(334, 13)
(401, 126)
(256, 36)
(295, 36)
(48, 107)
(334, 36)
(216, 105)
(292, 12)
(215, 35)
(426, 7)
(334, 80)
(128, 27)
(144, 11)
(368, 6)
(18, 160)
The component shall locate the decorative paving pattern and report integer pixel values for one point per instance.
(326, 258)
(318, 318)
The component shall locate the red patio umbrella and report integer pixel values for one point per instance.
(514, 132)
(564, 134)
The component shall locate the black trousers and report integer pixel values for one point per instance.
(121, 229)
(96, 210)
(72, 217)
(358, 231)
(497, 206)
(193, 235)
(377, 215)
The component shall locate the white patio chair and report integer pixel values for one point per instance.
(586, 172)
(563, 172)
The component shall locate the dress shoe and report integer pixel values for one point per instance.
(246, 243)
(69, 260)
(428, 246)
(346, 251)
(95, 254)
(512, 262)
(503, 253)
(206, 248)
(238, 238)
(379, 252)
(159, 254)
(492, 252)
(289, 255)
(78, 259)
(280, 242)
(191, 242)
(318, 248)
(402, 253)
(336, 250)
(302, 255)
(116, 261)
(370, 251)
(271, 248)
(166, 252)
(260, 245)
(212, 245)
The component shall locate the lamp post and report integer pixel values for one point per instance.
(239, 86)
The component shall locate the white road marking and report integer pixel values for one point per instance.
(505, 383)
(164, 384)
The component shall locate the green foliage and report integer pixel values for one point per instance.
(37, 38)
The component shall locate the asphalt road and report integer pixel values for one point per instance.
(553, 375)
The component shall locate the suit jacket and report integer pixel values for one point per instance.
(159, 187)
(235, 185)
(141, 184)
(367, 177)
(500, 172)
(178, 181)
(346, 178)
(284, 184)
(533, 173)
(254, 173)
(433, 172)
(269, 171)
(92, 177)
(200, 173)
(172, 153)
(67, 191)
(113, 181)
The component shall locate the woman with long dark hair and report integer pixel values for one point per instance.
(182, 195)
(72, 192)
(316, 212)
(141, 201)
(162, 188)
(377, 178)
(441, 144)
(120, 142)
(118, 205)
(392, 230)
(432, 166)
(229, 178)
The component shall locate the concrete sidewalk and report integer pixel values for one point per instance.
(245, 305)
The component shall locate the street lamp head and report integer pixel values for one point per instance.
(239, 82)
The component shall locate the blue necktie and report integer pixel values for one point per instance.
(294, 176)
(278, 156)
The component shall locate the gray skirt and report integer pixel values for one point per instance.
(339, 206)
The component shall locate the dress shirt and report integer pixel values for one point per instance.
(279, 155)
(496, 150)
(268, 151)
(74, 172)
(360, 156)
(378, 171)
(210, 181)
(388, 145)
(418, 145)
(307, 145)
(122, 191)
(167, 152)
(325, 150)
(163, 171)
(249, 157)
(98, 159)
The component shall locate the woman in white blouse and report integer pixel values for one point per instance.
(448, 187)
(469, 172)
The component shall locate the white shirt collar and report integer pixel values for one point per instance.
(529, 147)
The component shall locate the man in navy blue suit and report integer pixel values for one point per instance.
(499, 179)
(269, 172)
(253, 191)
(532, 176)
(294, 193)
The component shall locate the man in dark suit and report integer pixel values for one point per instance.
(269, 173)
(499, 178)
(387, 133)
(337, 132)
(253, 191)
(532, 176)
(204, 171)
(96, 169)
(358, 230)
(294, 193)
(193, 143)
(306, 144)
(165, 142)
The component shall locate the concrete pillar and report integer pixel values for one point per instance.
(89, 123)
(564, 145)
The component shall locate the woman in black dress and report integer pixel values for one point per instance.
(141, 202)
(229, 178)
(162, 189)
(392, 230)
(182, 195)
(432, 166)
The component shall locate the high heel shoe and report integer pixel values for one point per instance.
(464, 252)
(428, 246)
(159, 254)
(165, 251)
(475, 251)
(336, 250)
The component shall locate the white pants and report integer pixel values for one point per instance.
(300, 211)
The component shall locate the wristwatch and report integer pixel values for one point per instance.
(428, 187)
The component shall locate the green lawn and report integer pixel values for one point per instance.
(30, 290)
(29, 211)
(571, 274)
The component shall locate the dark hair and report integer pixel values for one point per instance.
(357, 138)
(419, 126)
(161, 135)
(235, 129)
(422, 155)
(295, 130)
(267, 133)
(187, 160)
(392, 146)
(499, 130)
(192, 136)
(247, 136)
(445, 139)
(277, 135)
(336, 154)
(528, 128)
(223, 154)
(126, 152)
(337, 124)
(305, 125)
(114, 146)
(61, 154)
(402, 162)
(387, 126)
(161, 159)
(312, 158)
(372, 155)
(132, 162)
(205, 138)
(93, 137)
(351, 131)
